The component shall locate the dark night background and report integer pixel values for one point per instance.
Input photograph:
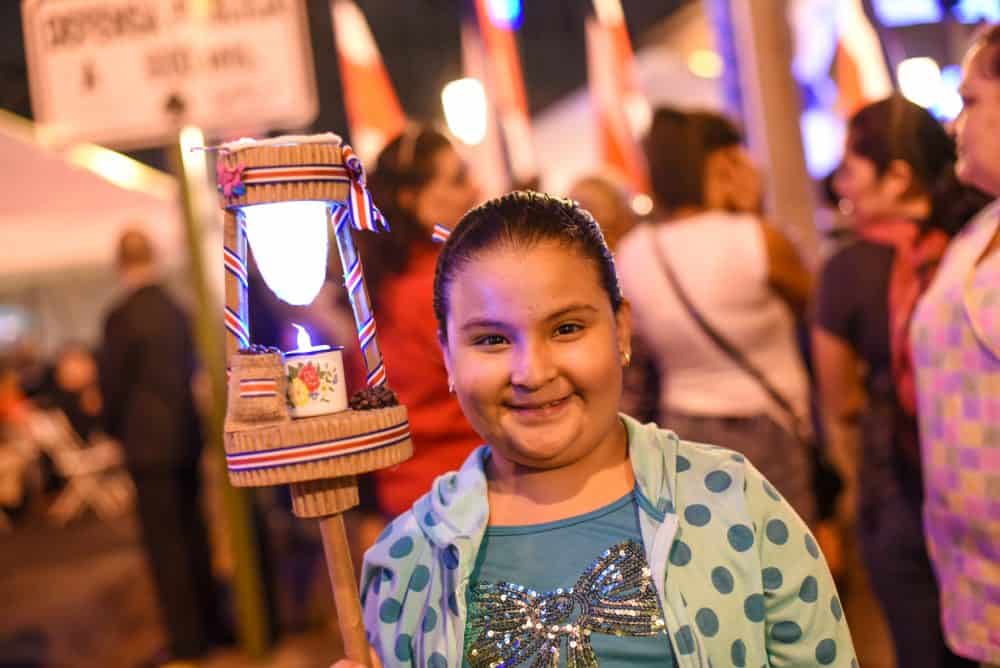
(419, 41)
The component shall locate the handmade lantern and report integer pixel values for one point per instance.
(281, 193)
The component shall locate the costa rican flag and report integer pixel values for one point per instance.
(258, 387)
(440, 233)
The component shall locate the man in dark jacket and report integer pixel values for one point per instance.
(147, 364)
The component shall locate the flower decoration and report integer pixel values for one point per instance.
(230, 179)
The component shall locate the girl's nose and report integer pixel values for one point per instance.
(531, 366)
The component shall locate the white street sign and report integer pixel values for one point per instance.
(129, 73)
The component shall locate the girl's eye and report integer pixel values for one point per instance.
(568, 328)
(489, 340)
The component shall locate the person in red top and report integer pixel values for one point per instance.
(418, 182)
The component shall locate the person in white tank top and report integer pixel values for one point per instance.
(744, 278)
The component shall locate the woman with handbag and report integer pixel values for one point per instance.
(715, 291)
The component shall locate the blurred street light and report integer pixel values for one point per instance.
(465, 109)
(920, 80)
(705, 63)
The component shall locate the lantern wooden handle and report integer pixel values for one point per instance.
(345, 592)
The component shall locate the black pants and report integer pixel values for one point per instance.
(892, 544)
(177, 550)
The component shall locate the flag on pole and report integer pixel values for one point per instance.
(487, 158)
(374, 115)
(504, 84)
(621, 110)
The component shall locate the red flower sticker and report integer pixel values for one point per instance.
(310, 376)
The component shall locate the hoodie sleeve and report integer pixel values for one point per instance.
(393, 578)
(803, 618)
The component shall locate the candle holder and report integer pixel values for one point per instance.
(318, 455)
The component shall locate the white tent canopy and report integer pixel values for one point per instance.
(63, 209)
(60, 216)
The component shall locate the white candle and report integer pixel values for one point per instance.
(315, 378)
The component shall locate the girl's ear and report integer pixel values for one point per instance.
(443, 343)
(623, 328)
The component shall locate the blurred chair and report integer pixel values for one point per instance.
(94, 472)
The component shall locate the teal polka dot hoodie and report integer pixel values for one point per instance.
(740, 578)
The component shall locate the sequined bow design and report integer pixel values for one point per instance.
(230, 179)
(511, 625)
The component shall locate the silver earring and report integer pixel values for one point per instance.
(451, 387)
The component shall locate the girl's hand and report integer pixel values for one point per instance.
(347, 663)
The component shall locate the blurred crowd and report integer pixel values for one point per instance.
(811, 372)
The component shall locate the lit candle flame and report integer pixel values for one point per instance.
(303, 342)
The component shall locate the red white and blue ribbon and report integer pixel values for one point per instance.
(319, 451)
(236, 327)
(354, 277)
(258, 387)
(364, 214)
(235, 265)
(366, 333)
(440, 233)
(258, 176)
(376, 376)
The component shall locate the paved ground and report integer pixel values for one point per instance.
(81, 596)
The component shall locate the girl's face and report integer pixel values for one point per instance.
(732, 181)
(448, 195)
(978, 127)
(869, 195)
(535, 353)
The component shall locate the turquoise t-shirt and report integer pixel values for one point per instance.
(578, 588)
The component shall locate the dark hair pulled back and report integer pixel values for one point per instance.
(522, 219)
(897, 129)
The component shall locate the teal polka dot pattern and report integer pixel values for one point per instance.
(377, 581)
(390, 610)
(404, 647)
(786, 632)
(430, 621)
(420, 577)
(854, 663)
(826, 652)
(740, 537)
(401, 548)
(707, 621)
(777, 532)
(753, 607)
(738, 654)
(809, 591)
(718, 481)
(698, 515)
(683, 463)
(772, 578)
(737, 457)
(437, 660)
(838, 612)
(811, 547)
(453, 604)
(722, 580)
(680, 555)
(685, 640)
(770, 491)
(430, 519)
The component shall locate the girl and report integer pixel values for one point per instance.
(956, 348)
(578, 536)
(898, 180)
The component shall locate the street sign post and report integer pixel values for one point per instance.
(129, 73)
